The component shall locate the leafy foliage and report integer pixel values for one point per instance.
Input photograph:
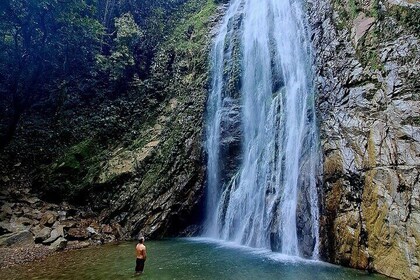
(44, 44)
(54, 50)
(119, 63)
(80, 76)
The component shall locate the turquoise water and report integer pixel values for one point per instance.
(179, 259)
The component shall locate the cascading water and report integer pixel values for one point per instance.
(262, 141)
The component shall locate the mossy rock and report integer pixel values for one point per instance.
(73, 158)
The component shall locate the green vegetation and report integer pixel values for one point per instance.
(354, 8)
(43, 44)
(414, 121)
(119, 63)
(189, 35)
(409, 17)
(94, 48)
(375, 10)
(72, 173)
(80, 78)
(77, 154)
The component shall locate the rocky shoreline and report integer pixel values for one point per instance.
(15, 256)
(31, 229)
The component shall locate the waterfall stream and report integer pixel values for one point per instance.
(261, 134)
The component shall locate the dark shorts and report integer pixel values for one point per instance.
(139, 265)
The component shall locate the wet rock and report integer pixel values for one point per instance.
(55, 234)
(22, 238)
(77, 234)
(91, 230)
(193, 230)
(369, 107)
(107, 229)
(117, 230)
(42, 235)
(59, 244)
(48, 218)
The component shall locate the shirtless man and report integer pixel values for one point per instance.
(141, 255)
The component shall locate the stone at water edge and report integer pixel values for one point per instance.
(107, 229)
(17, 239)
(42, 235)
(77, 244)
(55, 233)
(59, 244)
(77, 234)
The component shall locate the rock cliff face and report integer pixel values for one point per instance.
(134, 161)
(155, 185)
(367, 65)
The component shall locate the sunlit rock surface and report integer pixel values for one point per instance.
(367, 64)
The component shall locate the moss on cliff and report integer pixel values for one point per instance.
(100, 141)
(71, 173)
(408, 16)
(383, 28)
(75, 155)
(163, 189)
(191, 34)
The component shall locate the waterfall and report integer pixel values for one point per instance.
(261, 131)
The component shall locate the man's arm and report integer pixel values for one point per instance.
(144, 253)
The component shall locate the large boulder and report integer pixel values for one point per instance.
(58, 244)
(22, 238)
(55, 234)
(48, 218)
(77, 234)
(42, 234)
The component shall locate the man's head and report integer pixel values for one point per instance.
(141, 239)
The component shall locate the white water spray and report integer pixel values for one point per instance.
(262, 141)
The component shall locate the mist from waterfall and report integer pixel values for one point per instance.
(261, 134)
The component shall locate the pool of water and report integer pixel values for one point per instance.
(180, 259)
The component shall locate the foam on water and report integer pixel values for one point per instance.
(261, 252)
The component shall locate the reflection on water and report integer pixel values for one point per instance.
(179, 259)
